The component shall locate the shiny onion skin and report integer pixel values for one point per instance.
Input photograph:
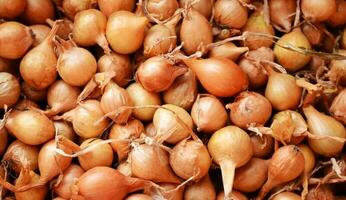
(72, 7)
(280, 14)
(41, 32)
(228, 50)
(15, 40)
(230, 13)
(9, 90)
(139, 197)
(286, 196)
(219, 76)
(37, 11)
(318, 10)
(110, 6)
(161, 9)
(10, 9)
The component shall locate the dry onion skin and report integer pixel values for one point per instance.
(338, 107)
(41, 32)
(27, 176)
(10, 90)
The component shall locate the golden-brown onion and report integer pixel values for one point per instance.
(10, 9)
(37, 11)
(9, 90)
(230, 13)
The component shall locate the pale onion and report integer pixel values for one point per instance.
(65, 129)
(234, 196)
(228, 50)
(286, 196)
(72, 7)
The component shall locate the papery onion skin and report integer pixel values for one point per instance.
(219, 76)
(339, 17)
(162, 9)
(230, 13)
(9, 90)
(20, 155)
(26, 177)
(125, 168)
(15, 40)
(338, 107)
(31, 127)
(41, 32)
(125, 31)
(142, 97)
(280, 13)
(63, 189)
(286, 196)
(118, 63)
(318, 11)
(3, 140)
(235, 196)
(203, 188)
(323, 125)
(10, 9)
(209, 114)
(249, 108)
(65, 129)
(37, 11)
(204, 7)
(72, 7)
(337, 68)
(172, 192)
(110, 6)
(262, 146)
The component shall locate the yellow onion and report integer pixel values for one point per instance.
(190, 159)
(27, 176)
(203, 188)
(263, 146)
(228, 50)
(309, 158)
(15, 39)
(10, 9)
(65, 129)
(31, 127)
(289, 59)
(183, 91)
(118, 63)
(125, 168)
(235, 196)
(195, 32)
(22, 156)
(64, 188)
(204, 7)
(125, 31)
(150, 130)
(338, 68)
(3, 140)
(141, 97)
(313, 32)
(257, 24)
(286, 196)
(40, 32)
(110, 6)
(338, 18)
(37, 11)
(338, 107)
(161, 9)
(257, 169)
(158, 73)
(230, 13)
(9, 90)
(172, 123)
(282, 91)
(219, 76)
(323, 125)
(72, 7)
(172, 192)
(208, 113)
(250, 108)
(123, 134)
(65, 28)
(33, 94)
(150, 162)
(318, 11)
(281, 14)
(230, 147)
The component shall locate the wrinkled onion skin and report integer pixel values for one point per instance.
(37, 11)
(10, 9)
(63, 189)
(110, 6)
(9, 90)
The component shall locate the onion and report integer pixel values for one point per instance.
(15, 39)
(89, 29)
(22, 156)
(323, 125)
(10, 9)
(230, 13)
(252, 66)
(204, 7)
(309, 158)
(23, 104)
(61, 97)
(281, 14)
(37, 11)
(125, 31)
(110, 6)
(161, 9)
(172, 191)
(138, 197)
(209, 114)
(250, 108)
(27, 176)
(183, 91)
(3, 140)
(118, 63)
(282, 91)
(72, 7)
(318, 11)
(9, 90)
(195, 32)
(65, 28)
(190, 159)
(105, 183)
(150, 130)
(64, 188)
(158, 73)
(125, 168)
(257, 24)
(38, 66)
(31, 127)
(314, 33)
(123, 134)
(141, 97)
(230, 147)
(172, 123)
(286, 164)
(262, 146)
(339, 17)
(203, 188)
(41, 32)
(65, 129)
(337, 68)
(101, 155)
(235, 196)
(9, 66)
(72, 61)
(257, 169)
(219, 76)
(289, 59)
(33, 94)
(87, 119)
(228, 50)
(338, 107)
(286, 196)
(320, 192)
